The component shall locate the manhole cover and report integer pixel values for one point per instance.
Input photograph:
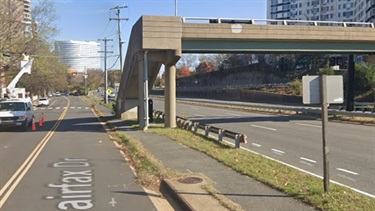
(190, 180)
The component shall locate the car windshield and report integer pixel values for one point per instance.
(42, 99)
(12, 106)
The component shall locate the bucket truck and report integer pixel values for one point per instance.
(11, 91)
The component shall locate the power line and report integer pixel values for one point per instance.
(105, 40)
(118, 8)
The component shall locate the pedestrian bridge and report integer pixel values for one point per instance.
(157, 40)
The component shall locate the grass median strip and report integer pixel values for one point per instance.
(290, 181)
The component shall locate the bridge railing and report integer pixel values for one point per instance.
(275, 22)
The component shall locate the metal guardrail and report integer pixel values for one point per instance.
(276, 22)
(362, 106)
(195, 126)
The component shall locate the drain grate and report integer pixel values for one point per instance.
(190, 180)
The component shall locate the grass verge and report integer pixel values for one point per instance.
(290, 181)
(305, 187)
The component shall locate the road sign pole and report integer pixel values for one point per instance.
(323, 96)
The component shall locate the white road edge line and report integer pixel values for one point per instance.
(347, 171)
(307, 172)
(266, 128)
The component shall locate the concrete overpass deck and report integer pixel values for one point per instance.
(157, 40)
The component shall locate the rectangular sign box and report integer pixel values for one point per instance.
(311, 89)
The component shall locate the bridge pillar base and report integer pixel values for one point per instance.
(131, 114)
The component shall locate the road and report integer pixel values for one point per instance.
(297, 141)
(68, 163)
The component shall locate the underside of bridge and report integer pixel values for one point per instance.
(157, 40)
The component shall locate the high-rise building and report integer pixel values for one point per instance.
(16, 14)
(79, 55)
(323, 10)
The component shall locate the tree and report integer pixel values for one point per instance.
(95, 78)
(365, 77)
(183, 72)
(114, 76)
(187, 60)
(47, 73)
(14, 42)
(203, 67)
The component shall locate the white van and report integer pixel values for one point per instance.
(17, 113)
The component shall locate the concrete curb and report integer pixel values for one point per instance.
(191, 195)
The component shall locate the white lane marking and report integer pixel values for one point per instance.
(79, 107)
(308, 125)
(198, 115)
(72, 107)
(232, 114)
(189, 171)
(50, 108)
(347, 171)
(346, 177)
(279, 152)
(308, 160)
(305, 171)
(266, 128)
(86, 107)
(256, 145)
(57, 107)
(53, 103)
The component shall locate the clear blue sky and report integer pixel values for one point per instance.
(89, 19)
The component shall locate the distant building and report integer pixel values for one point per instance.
(79, 55)
(16, 15)
(323, 10)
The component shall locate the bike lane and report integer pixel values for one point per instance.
(79, 169)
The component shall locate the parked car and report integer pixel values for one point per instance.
(17, 113)
(43, 102)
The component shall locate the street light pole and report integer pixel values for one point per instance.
(175, 7)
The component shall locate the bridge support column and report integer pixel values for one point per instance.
(170, 96)
(350, 84)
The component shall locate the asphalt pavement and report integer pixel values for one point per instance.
(240, 189)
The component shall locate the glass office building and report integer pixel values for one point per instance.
(79, 55)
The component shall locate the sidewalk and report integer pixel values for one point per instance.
(241, 189)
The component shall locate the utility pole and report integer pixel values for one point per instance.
(118, 19)
(105, 40)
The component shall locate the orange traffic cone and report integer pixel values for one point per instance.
(33, 126)
(40, 122)
(43, 120)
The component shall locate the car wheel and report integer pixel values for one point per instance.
(24, 126)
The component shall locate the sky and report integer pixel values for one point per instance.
(88, 20)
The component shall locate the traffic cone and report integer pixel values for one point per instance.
(43, 120)
(40, 122)
(33, 126)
